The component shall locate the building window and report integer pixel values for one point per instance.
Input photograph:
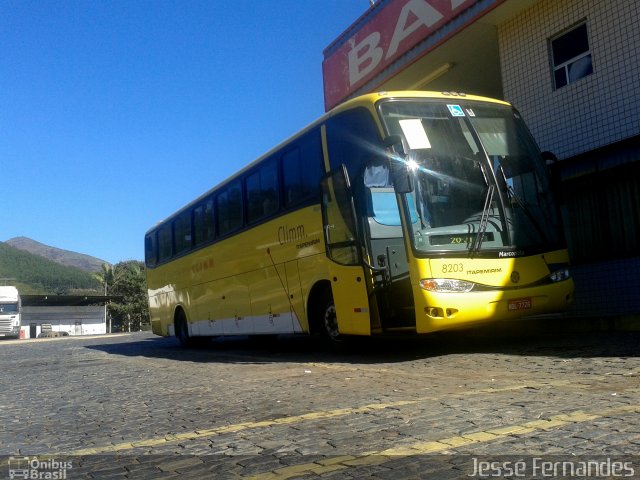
(571, 57)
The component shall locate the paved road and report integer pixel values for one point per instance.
(139, 406)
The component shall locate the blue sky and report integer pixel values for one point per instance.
(114, 114)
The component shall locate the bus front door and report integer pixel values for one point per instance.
(348, 281)
(386, 246)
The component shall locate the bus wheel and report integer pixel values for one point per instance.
(182, 330)
(330, 319)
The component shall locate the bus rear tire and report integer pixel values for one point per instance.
(181, 328)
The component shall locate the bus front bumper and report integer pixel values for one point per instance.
(444, 311)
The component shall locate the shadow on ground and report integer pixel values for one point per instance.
(537, 339)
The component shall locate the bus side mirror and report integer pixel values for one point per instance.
(549, 157)
(400, 176)
(398, 169)
(554, 173)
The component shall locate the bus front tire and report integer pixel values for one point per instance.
(329, 319)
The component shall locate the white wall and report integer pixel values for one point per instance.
(90, 319)
(598, 110)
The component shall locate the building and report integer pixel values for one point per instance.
(67, 314)
(571, 67)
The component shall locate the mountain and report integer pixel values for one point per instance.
(58, 255)
(38, 275)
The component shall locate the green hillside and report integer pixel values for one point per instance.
(58, 255)
(33, 274)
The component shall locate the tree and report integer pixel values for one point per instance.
(126, 279)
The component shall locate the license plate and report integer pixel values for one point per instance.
(520, 304)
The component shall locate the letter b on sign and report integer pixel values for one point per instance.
(364, 57)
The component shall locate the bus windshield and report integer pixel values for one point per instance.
(480, 183)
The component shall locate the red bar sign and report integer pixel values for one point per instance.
(396, 28)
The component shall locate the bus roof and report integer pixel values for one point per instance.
(368, 100)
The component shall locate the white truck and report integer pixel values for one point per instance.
(10, 312)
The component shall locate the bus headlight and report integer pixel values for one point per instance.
(560, 275)
(446, 285)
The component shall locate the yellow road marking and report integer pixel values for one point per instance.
(377, 458)
(340, 412)
(212, 432)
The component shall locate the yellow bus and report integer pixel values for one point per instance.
(394, 212)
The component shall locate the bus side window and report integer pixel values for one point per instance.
(150, 250)
(182, 232)
(165, 247)
(229, 208)
(203, 222)
(292, 175)
(352, 139)
(302, 169)
(262, 192)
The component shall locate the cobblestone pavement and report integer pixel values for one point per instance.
(443, 406)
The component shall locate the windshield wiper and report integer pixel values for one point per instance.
(484, 219)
